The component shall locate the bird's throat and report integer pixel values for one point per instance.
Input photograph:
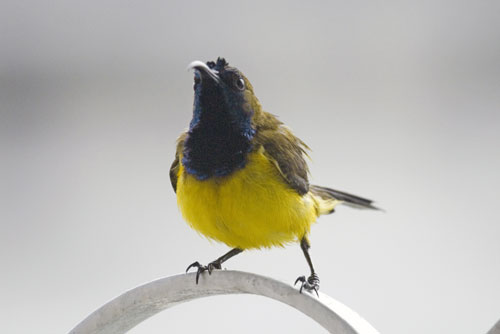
(215, 148)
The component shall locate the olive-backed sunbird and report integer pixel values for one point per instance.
(240, 174)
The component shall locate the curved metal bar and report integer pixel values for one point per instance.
(131, 308)
(495, 329)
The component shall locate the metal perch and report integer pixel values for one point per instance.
(131, 308)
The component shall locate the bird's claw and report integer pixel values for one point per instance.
(201, 268)
(310, 284)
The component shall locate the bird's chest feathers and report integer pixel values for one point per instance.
(251, 207)
(218, 196)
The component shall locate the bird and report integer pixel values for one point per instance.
(240, 175)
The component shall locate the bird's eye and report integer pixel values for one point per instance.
(196, 81)
(239, 83)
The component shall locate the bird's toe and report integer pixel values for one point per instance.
(200, 270)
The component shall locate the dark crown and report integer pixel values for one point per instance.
(219, 65)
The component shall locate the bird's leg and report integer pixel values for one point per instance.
(216, 264)
(312, 282)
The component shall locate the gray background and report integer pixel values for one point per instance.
(399, 101)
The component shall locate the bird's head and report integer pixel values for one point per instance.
(223, 96)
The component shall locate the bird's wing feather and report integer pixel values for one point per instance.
(174, 169)
(287, 152)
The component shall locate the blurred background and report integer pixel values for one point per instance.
(400, 102)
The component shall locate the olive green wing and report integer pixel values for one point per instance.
(174, 168)
(287, 152)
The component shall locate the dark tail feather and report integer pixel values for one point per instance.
(348, 199)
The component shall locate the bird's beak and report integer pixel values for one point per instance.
(204, 70)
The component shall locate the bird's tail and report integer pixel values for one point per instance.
(342, 197)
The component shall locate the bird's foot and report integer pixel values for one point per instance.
(311, 284)
(201, 268)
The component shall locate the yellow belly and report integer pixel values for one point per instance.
(250, 208)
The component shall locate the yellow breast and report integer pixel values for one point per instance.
(250, 208)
